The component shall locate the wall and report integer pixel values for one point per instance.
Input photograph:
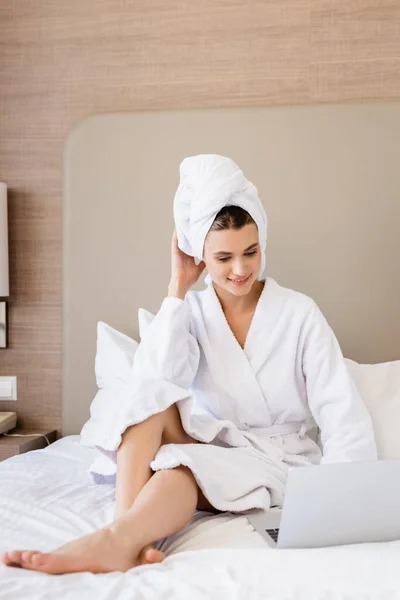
(60, 62)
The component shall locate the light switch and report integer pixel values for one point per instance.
(5, 389)
(8, 388)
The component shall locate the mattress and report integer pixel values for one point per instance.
(47, 499)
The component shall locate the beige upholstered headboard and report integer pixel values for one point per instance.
(328, 176)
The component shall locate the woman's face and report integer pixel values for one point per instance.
(233, 258)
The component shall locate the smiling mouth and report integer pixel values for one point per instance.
(241, 280)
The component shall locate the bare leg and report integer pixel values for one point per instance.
(165, 505)
(139, 446)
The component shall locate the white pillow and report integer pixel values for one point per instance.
(114, 356)
(379, 387)
(113, 364)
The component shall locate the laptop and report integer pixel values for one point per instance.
(335, 504)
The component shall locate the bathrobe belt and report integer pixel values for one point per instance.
(300, 427)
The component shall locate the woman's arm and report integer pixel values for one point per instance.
(340, 413)
(168, 351)
(168, 355)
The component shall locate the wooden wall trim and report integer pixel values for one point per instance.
(62, 61)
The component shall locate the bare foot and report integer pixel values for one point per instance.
(100, 552)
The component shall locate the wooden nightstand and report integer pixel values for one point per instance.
(10, 446)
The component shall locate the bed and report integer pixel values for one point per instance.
(47, 498)
(120, 174)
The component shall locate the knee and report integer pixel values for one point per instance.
(153, 423)
(166, 424)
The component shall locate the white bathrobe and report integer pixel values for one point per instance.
(254, 407)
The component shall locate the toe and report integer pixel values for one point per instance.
(15, 556)
(152, 556)
(5, 558)
(40, 560)
(56, 564)
(26, 556)
(145, 556)
(156, 556)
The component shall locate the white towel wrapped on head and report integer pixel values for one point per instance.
(209, 182)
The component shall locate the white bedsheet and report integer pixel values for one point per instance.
(47, 499)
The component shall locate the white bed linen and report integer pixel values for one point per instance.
(47, 498)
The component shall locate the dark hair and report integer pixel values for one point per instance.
(231, 217)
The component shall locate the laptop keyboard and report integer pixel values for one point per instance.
(273, 533)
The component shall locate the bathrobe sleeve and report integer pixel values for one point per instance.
(168, 350)
(164, 367)
(340, 413)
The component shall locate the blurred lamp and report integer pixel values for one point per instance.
(4, 285)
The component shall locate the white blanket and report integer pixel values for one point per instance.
(47, 499)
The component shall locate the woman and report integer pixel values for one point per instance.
(226, 385)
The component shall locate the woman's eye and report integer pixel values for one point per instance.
(225, 258)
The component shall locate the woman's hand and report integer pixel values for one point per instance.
(184, 271)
